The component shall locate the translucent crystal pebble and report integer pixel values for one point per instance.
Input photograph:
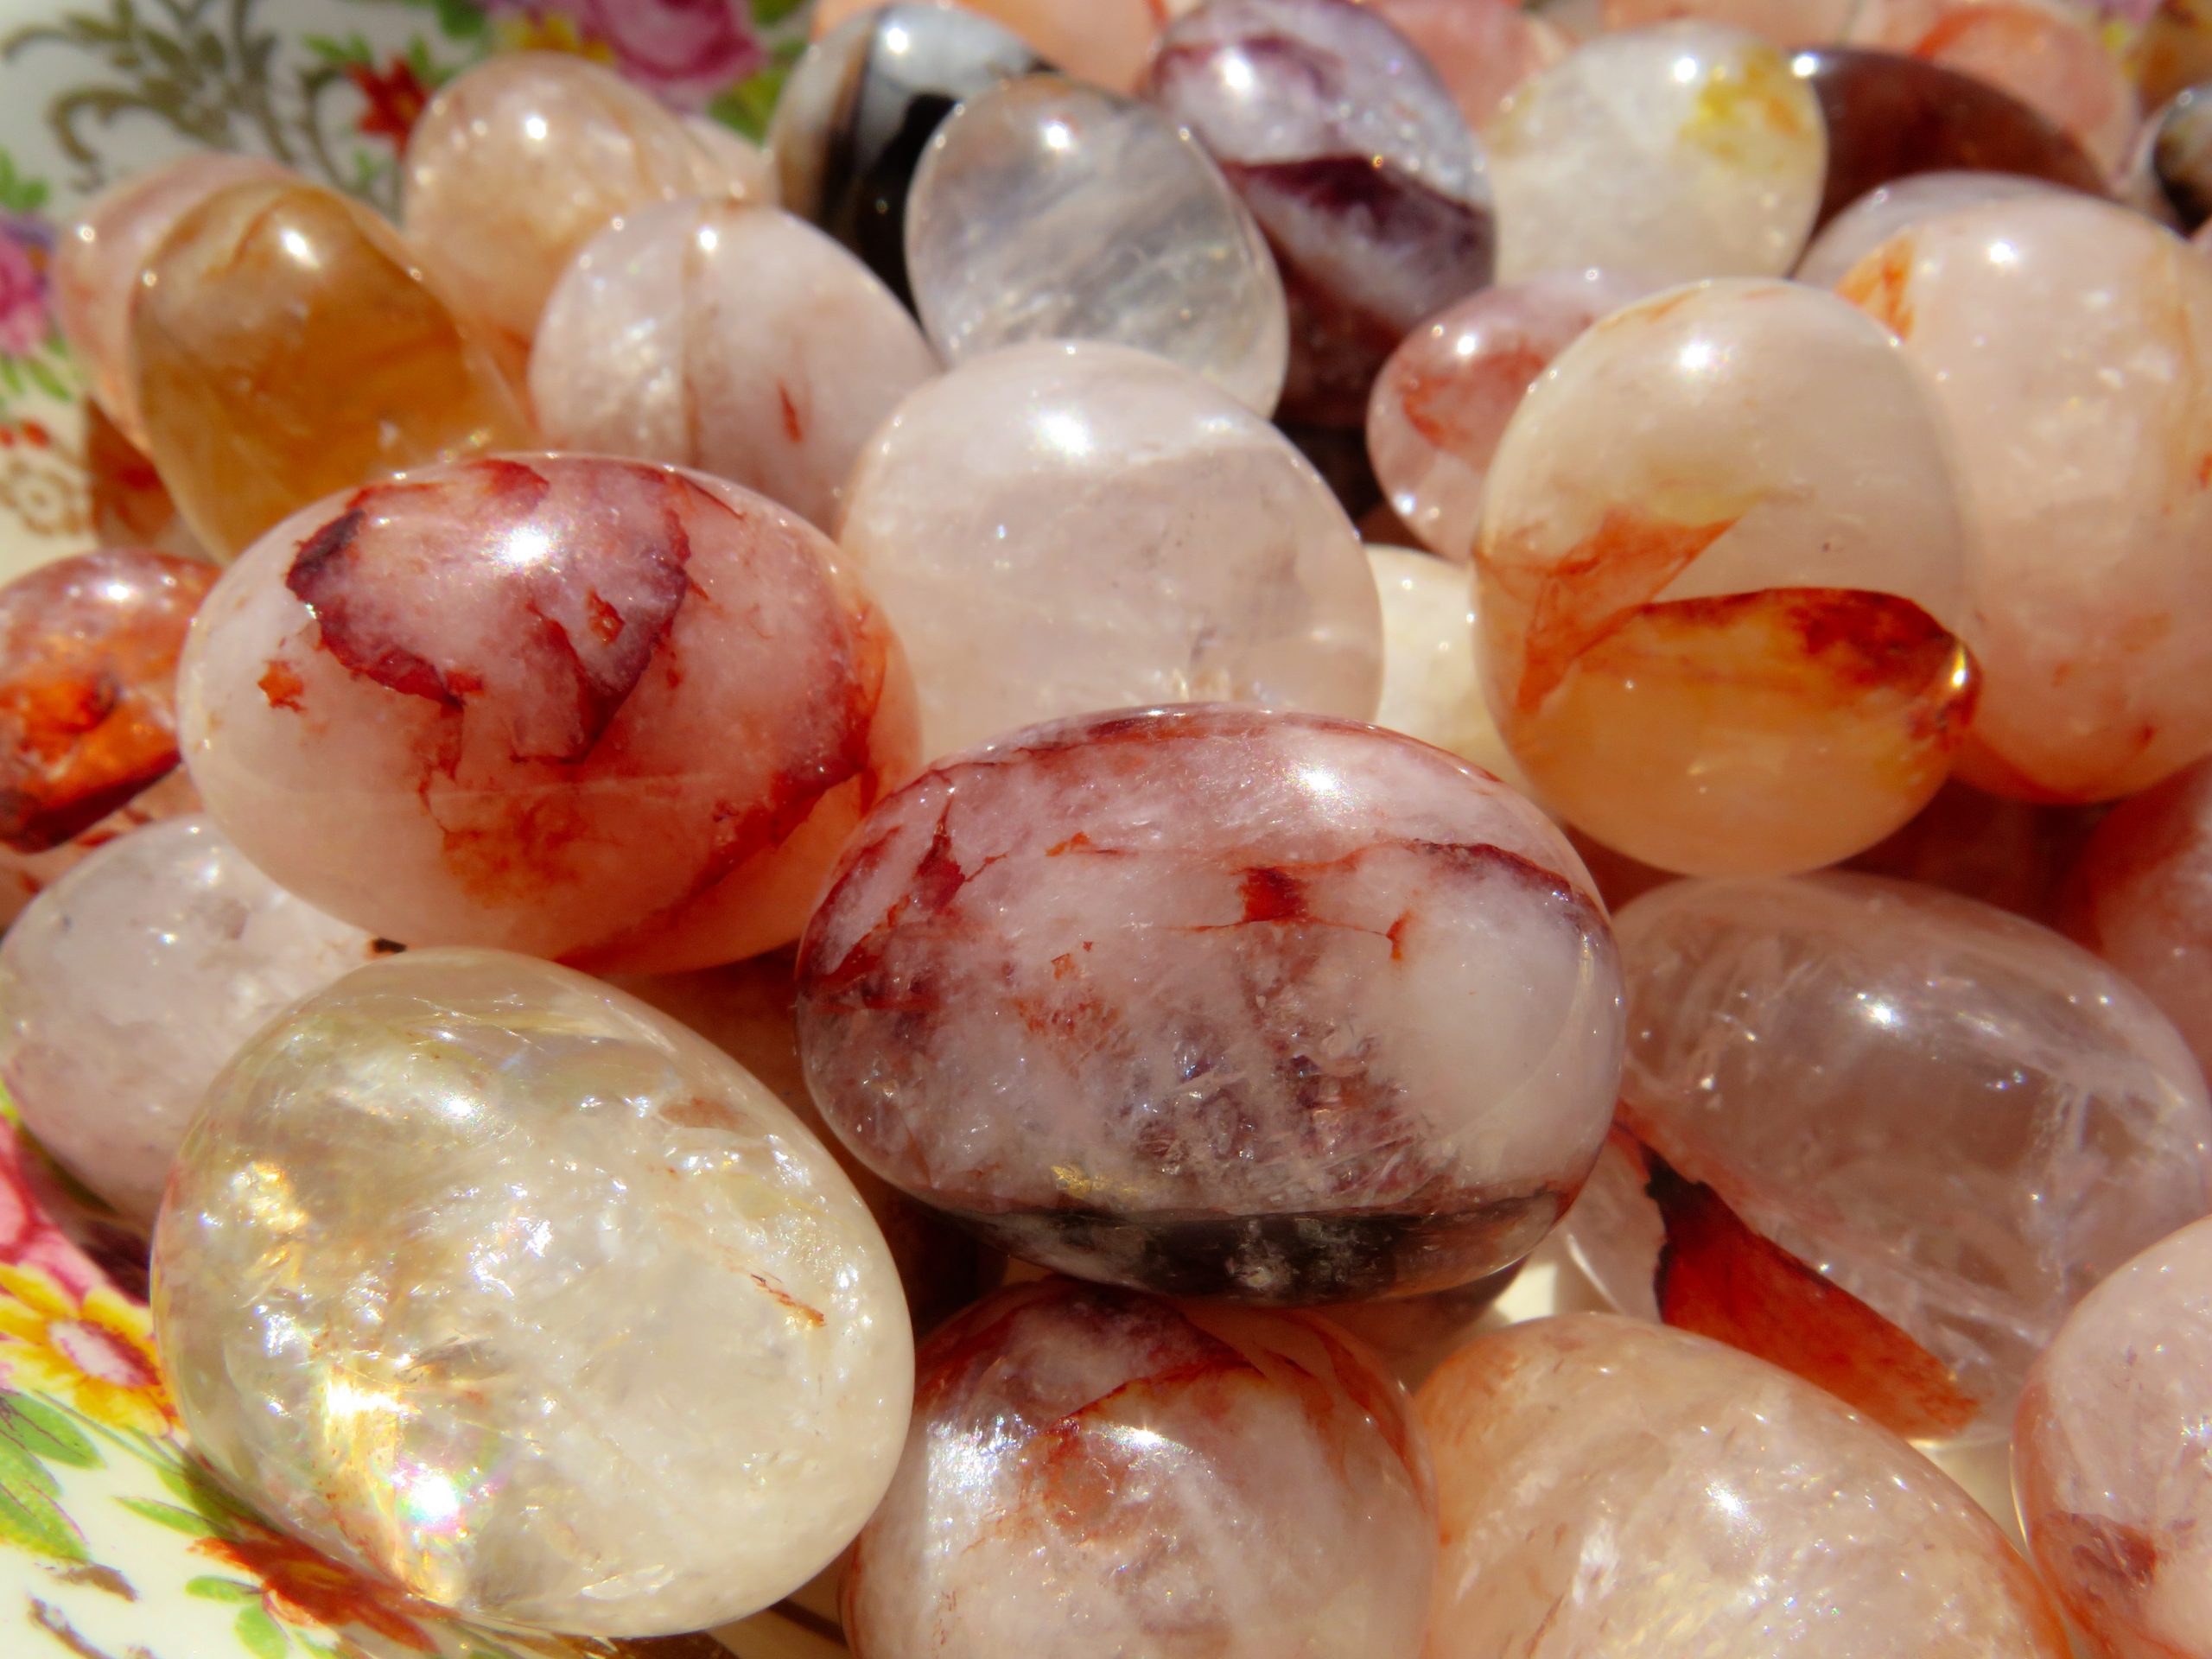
(1354, 161)
(1059, 527)
(491, 1281)
(2170, 174)
(1882, 1137)
(563, 704)
(1481, 49)
(2110, 1456)
(1683, 150)
(127, 984)
(1890, 117)
(263, 299)
(852, 121)
(1614, 1488)
(1781, 22)
(2141, 897)
(1431, 689)
(1094, 1472)
(1412, 1335)
(2014, 855)
(97, 262)
(742, 168)
(735, 339)
(519, 162)
(1044, 209)
(1218, 1001)
(1103, 41)
(1442, 400)
(2065, 339)
(1719, 617)
(1883, 213)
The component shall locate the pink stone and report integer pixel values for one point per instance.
(1883, 212)
(1094, 1472)
(1610, 1488)
(98, 260)
(2014, 855)
(1884, 1136)
(576, 707)
(734, 338)
(1101, 40)
(1218, 1001)
(1783, 22)
(1481, 48)
(2141, 897)
(1441, 402)
(2111, 1456)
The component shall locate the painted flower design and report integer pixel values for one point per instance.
(25, 321)
(684, 50)
(28, 1236)
(392, 97)
(97, 1354)
(298, 1586)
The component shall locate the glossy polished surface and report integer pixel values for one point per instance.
(267, 298)
(735, 339)
(1884, 1136)
(97, 262)
(1049, 210)
(2111, 1456)
(859, 106)
(582, 708)
(1889, 117)
(519, 162)
(1883, 213)
(1354, 161)
(128, 983)
(1431, 689)
(1218, 1001)
(1055, 527)
(1442, 401)
(2069, 342)
(2170, 175)
(1683, 150)
(1099, 41)
(1481, 49)
(1612, 1488)
(456, 1178)
(1096, 1472)
(1718, 614)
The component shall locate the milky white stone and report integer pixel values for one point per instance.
(1609, 1488)
(1684, 149)
(2112, 1455)
(2068, 341)
(1093, 1472)
(492, 1282)
(1060, 527)
(1881, 214)
(734, 338)
(127, 984)
(748, 168)
(1953, 1115)
(1044, 209)
(1431, 690)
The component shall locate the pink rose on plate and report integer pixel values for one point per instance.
(684, 50)
(23, 318)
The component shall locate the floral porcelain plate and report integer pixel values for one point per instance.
(112, 1546)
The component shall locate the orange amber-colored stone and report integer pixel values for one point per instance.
(284, 347)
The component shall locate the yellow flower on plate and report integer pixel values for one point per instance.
(549, 32)
(98, 1355)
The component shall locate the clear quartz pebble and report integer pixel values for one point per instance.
(1102, 42)
(735, 339)
(497, 1285)
(2067, 341)
(1056, 527)
(1431, 687)
(1218, 1001)
(1093, 1471)
(1682, 150)
(128, 983)
(1884, 1136)
(2112, 1455)
(1044, 209)
(1612, 1488)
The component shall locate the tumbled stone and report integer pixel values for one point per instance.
(2171, 174)
(1481, 49)
(577, 706)
(1103, 41)
(1889, 209)
(1093, 1472)
(735, 339)
(1059, 527)
(1218, 1001)
(126, 986)
(1431, 687)
(1044, 209)
(1882, 1137)
(495, 1284)
(1614, 1488)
